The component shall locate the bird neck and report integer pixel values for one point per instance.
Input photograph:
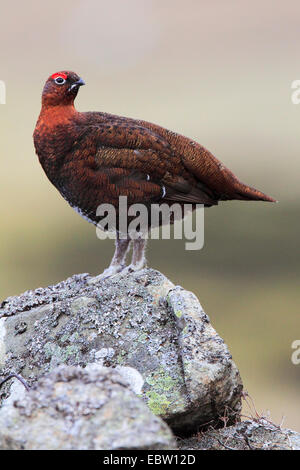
(58, 114)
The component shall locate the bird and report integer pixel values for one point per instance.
(94, 158)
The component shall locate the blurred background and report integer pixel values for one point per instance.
(218, 72)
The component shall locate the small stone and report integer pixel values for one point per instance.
(248, 435)
(78, 409)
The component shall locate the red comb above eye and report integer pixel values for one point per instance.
(62, 75)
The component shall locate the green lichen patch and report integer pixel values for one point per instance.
(157, 403)
(165, 392)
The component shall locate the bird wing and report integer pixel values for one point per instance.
(128, 159)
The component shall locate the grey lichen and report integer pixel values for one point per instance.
(89, 409)
(152, 326)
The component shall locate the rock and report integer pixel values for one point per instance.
(138, 322)
(85, 409)
(248, 435)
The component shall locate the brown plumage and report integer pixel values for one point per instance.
(93, 158)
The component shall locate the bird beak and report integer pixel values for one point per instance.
(77, 84)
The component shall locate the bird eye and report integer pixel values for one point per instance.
(60, 80)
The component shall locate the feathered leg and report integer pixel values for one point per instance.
(138, 256)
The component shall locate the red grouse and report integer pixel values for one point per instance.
(94, 158)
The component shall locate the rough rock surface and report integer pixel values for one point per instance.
(248, 435)
(76, 408)
(135, 322)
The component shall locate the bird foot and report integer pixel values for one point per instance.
(132, 268)
(122, 269)
(109, 272)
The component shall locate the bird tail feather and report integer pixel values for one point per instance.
(247, 193)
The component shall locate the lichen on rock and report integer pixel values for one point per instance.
(139, 321)
(72, 408)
